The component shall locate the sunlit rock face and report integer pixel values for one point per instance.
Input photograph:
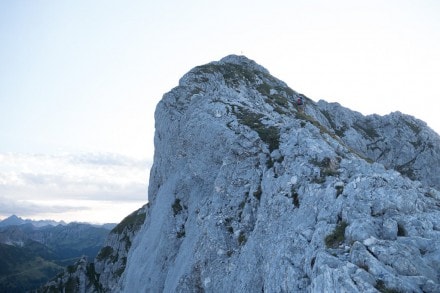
(251, 193)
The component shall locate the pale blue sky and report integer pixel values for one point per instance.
(85, 76)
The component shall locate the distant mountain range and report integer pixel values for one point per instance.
(15, 221)
(32, 252)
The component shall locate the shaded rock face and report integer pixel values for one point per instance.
(248, 193)
(112, 259)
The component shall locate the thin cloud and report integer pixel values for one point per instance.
(29, 182)
(108, 159)
(26, 208)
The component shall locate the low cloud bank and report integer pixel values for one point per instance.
(38, 186)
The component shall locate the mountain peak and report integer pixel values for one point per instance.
(317, 194)
(243, 61)
(251, 192)
(12, 220)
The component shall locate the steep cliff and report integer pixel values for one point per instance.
(251, 193)
(248, 193)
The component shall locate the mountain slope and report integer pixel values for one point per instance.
(103, 273)
(249, 194)
(30, 255)
(69, 241)
(397, 141)
(25, 268)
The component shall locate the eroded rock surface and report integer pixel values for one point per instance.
(248, 193)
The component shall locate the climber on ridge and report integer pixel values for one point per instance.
(300, 103)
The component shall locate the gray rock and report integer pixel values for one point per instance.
(389, 229)
(249, 194)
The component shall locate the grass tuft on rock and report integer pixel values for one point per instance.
(334, 239)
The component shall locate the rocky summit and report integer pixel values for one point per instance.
(250, 192)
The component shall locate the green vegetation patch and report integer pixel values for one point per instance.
(339, 190)
(406, 170)
(242, 238)
(401, 231)
(120, 271)
(338, 131)
(334, 239)
(181, 233)
(176, 206)
(132, 222)
(381, 287)
(208, 68)
(328, 167)
(104, 253)
(367, 129)
(29, 275)
(268, 134)
(264, 89)
(329, 118)
(257, 194)
(232, 73)
(279, 102)
(414, 127)
(416, 144)
(93, 277)
(228, 225)
(72, 285)
(294, 196)
(301, 115)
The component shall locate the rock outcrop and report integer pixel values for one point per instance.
(397, 141)
(249, 193)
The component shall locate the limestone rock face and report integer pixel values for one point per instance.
(249, 193)
(397, 141)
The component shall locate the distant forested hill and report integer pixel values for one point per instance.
(31, 255)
